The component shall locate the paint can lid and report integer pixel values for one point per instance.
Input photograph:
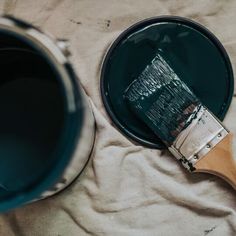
(195, 54)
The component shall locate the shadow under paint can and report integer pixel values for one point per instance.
(46, 123)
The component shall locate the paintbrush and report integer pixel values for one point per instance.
(176, 115)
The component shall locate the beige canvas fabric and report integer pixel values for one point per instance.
(127, 190)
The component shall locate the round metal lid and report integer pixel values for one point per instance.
(195, 54)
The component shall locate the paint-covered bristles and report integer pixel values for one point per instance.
(161, 100)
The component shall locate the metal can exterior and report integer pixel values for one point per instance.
(78, 149)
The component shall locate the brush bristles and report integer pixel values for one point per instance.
(162, 100)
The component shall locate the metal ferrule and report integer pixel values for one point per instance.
(200, 137)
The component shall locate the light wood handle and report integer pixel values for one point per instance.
(219, 161)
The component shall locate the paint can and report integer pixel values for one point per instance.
(195, 54)
(46, 124)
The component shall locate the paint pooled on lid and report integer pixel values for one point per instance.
(160, 99)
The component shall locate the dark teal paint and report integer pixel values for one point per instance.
(31, 120)
(192, 51)
(46, 111)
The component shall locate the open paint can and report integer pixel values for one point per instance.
(194, 53)
(46, 123)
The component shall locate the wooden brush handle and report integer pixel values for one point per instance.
(219, 161)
